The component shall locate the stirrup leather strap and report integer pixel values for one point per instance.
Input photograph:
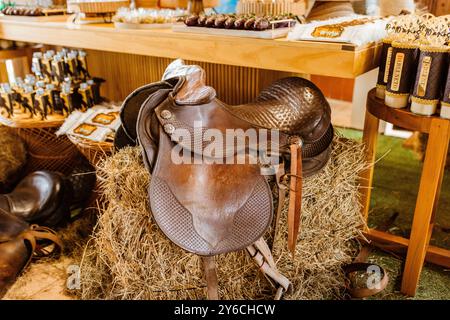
(295, 194)
(260, 252)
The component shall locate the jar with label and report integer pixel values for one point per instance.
(402, 73)
(445, 101)
(429, 79)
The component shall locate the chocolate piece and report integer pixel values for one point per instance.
(201, 21)
(191, 21)
(220, 22)
(210, 22)
(261, 24)
(249, 24)
(229, 23)
(239, 23)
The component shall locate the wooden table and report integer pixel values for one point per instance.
(418, 248)
(308, 57)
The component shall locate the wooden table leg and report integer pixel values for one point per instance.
(430, 185)
(370, 135)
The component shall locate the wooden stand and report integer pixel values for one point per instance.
(418, 248)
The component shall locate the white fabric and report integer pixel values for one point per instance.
(357, 35)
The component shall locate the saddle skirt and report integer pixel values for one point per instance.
(219, 204)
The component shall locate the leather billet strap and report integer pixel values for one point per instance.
(370, 269)
(295, 193)
(209, 268)
(262, 255)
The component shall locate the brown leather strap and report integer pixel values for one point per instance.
(44, 233)
(209, 267)
(262, 255)
(35, 233)
(279, 174)
(372, 288)
(295, 194)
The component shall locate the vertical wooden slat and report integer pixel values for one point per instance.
(125, 72)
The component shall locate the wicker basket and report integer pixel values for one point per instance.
(261, 7)
(46, 151)
(96, 7)
(93, 151)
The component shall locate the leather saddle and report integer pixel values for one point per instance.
(211, 198)
(42, 197)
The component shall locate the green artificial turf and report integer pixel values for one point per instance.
(394, 194)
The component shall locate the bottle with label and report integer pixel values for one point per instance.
(36, 64)
(41, 103)
(82, 65)
(47, 65)
(55, 98)
(6, 99)
(66, 99)
(27, 100)
(72, 64)
(58, 68)
(87, 100)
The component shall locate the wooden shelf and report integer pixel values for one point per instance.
(328, 59)
(403, 118)
(24, 121)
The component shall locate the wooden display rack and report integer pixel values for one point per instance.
(418, 248)
(24, 121)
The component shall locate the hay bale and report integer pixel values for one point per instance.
(128, 256)
(13, 155)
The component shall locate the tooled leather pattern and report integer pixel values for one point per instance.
(293, 105)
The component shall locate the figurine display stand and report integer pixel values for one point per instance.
(46, 151)
(417, 246)
(23, 120)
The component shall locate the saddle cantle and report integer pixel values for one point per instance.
(41, 198)
(219, 205)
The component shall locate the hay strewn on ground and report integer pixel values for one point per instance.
(128, 257)
(12, 153)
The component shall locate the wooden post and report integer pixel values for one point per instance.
(430, 185)
(370, 136)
